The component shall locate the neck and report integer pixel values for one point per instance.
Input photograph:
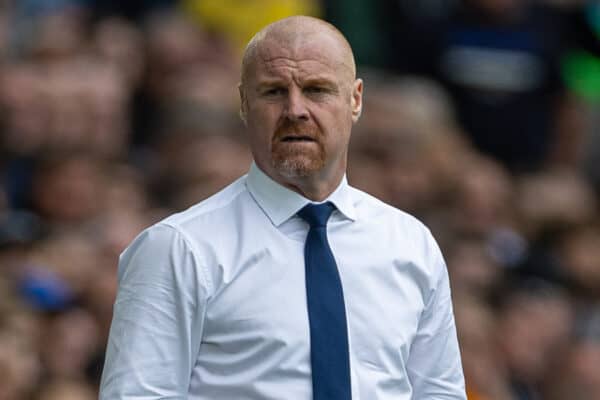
(316, 187)
(312, 189)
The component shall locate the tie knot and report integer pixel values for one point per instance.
(316, 214)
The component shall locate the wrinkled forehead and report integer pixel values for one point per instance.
(309, 49)
(326, 48)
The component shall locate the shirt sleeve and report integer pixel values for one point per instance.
(434, 365)
(157, 321)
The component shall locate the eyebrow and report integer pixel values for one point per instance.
(310, 81)
(319, 81)
(269, 83)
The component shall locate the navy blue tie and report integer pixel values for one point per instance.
(326, 312)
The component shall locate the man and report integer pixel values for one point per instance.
(287, 284)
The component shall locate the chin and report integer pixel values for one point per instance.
(297, 162)
(297, 168)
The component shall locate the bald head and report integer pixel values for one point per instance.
(294, 32)
(299, 99)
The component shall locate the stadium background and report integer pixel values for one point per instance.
(482, 118)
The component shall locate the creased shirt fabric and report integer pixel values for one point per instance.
(212, 302)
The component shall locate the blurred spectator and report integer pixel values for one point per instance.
(72, 349)
(568, 201)
(67, 390)
(184, 180)
(19, 366)
(391, 34)
(411, 139)
(19, 360)
(472, 269)
(482, 199)
(184, 62)
(67, 189)
(23, 109)
(579, 254)
(63, 265)
(579, 378)
(534, 327)
(56, 34)
(500, 59)
(121, 44)
(485, 373)
(580, 373)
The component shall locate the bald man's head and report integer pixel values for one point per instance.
(299, 99)
(295, 32)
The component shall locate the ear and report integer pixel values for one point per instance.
(243, 103)
(356, 101)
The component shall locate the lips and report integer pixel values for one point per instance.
(297, 138)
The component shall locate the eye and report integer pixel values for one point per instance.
(315, 90)
(275, 91)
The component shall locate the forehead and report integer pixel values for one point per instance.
(314, 54)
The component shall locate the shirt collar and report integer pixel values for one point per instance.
(281, 203)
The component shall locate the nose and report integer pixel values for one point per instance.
(296, 108)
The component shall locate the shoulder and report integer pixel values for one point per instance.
(199, 221)
(400, 231)
(374, 209)
(182, 240)
(218, 205)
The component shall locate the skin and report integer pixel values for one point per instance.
(299, 100)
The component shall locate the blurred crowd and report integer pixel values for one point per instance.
(481, 117)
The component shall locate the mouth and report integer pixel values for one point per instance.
(298, 138)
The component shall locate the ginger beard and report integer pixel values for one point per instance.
(300, 158)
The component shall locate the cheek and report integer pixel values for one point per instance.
(260, 128)
(259, 140)
(263, 119)
(336, 124)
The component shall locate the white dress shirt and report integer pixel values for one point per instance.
(212, 302)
